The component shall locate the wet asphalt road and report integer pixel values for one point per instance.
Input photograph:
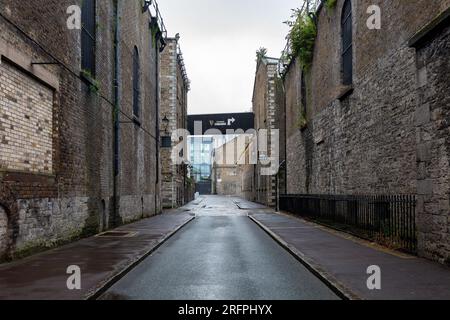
(222, 254)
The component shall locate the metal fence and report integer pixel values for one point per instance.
(389, 220)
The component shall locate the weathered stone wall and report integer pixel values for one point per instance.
(248, 174)
(268, 116)
(295, 158)
(228, 180)
(280, 120)
(174, 89)
(168, 69)
(4, 236)
(74, 197)
(432, 121)
(233, 169)
(247, 171)
(138, 143)
(364, 142)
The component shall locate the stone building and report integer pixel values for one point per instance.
(376, 111)
(176, 184)
(268, 108)
(79, 131)
(233, 170)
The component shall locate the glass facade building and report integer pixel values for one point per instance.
(200, 157)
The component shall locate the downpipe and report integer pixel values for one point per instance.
(116, 133)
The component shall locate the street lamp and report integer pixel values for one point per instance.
(166, 138)
(166, 122)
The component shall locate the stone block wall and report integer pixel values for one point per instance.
(4, 236)
(248, 177)
(227, 180)
(174, 90)
(364, 139)
(269, 116)
(432, 123)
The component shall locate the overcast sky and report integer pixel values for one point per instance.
(219, 39)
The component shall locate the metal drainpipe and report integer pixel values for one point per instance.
(116, 134)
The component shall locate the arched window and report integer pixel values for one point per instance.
(136, 83)
(347, 43)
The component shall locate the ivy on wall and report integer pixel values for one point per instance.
(330, 4)
(94, 84)
(261, 53)
(302, 37)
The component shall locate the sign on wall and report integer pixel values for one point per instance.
(224, 122)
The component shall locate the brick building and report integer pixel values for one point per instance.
(268, 108)
(78, 120)
(174, 93)
(378, 122)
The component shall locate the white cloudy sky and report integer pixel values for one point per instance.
(219, 39)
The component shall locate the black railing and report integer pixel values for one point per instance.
(389, 220)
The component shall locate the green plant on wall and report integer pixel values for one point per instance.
(302, 37)
(94, 86)
(154, 29)
(261, 53)
(330, 4)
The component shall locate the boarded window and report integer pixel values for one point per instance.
(136, 81)
(347, 43)
(88, 36)
(26, 122)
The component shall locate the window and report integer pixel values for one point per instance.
(136, 82)
(88, 37)
(347, 43)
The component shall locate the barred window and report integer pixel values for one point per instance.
(347, 43)
(136, 83)
(88, 36)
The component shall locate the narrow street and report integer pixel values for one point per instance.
(224, 151)
(222, 254)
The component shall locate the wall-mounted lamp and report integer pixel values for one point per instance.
(165, 124)
(166, 139)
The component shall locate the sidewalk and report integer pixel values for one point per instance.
(342, 261)
(101, 259)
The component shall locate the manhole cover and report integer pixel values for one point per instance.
(117, 234)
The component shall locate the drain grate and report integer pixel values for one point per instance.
(117, 234)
